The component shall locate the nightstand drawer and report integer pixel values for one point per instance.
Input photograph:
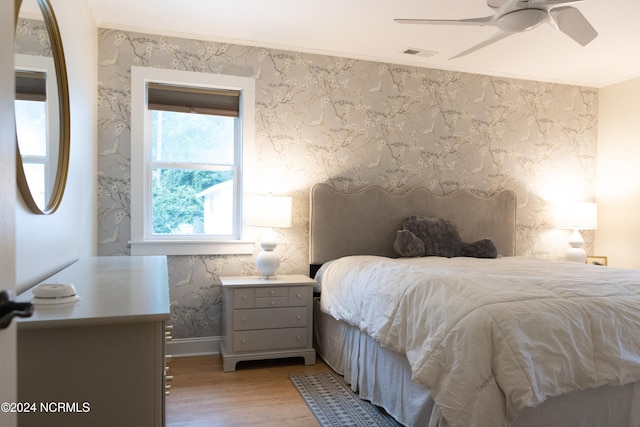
(272, 297)
(272, 302)
(299, 295)
(271, 292)
(276, 339)
(244, 298)
(269, 319)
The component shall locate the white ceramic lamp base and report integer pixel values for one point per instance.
(576, 253)
(267, 262)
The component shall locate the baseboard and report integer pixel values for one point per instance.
(185, 347)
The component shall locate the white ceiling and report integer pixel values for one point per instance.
(364, 29)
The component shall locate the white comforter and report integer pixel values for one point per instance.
(491, 337)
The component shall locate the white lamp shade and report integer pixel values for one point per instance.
(268, 211)
(579, 215)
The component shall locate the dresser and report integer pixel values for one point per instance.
(99, 361)
(267, 319)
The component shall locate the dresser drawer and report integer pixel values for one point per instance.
(266, 318)
(276, 339)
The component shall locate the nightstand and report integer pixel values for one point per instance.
(267, 319)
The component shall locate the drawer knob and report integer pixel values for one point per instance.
(272, 292)
(299, 296)
(298, 338)
(244, 298)
(244, 341)
(272, 302)
(243, 320)
(298, 317)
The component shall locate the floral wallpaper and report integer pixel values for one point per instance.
(353, 123)
(32, 38)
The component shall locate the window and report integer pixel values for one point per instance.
(188, 131)
(31, 128)
(37, 126)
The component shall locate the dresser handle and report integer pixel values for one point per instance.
(271, 292)
(298, 338)
(272, 302)
(298, 317)
(299, 296)
(244, 298)
(243, 320)
(243, 341)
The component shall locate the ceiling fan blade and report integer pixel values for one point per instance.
(573, 23)
(487, 20)
(496, 3)
(494, 38)
(553, 2)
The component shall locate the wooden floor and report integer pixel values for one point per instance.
(256, 394)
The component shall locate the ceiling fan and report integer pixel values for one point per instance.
(516, 16)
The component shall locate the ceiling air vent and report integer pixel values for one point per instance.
(419, 52)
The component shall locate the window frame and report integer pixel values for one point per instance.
(143, 241)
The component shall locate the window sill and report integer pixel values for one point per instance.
(190, 247)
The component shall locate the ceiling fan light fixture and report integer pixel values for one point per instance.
(516, 16)
(521, 20)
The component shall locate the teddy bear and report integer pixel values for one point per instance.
(424, 236)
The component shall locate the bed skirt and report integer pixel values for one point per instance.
(383, 377)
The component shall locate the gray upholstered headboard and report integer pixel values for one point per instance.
(365, 222)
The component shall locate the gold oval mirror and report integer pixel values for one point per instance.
(41, 107)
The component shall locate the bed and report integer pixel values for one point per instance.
(511, 340)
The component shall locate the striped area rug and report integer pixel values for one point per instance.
(334, 404)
